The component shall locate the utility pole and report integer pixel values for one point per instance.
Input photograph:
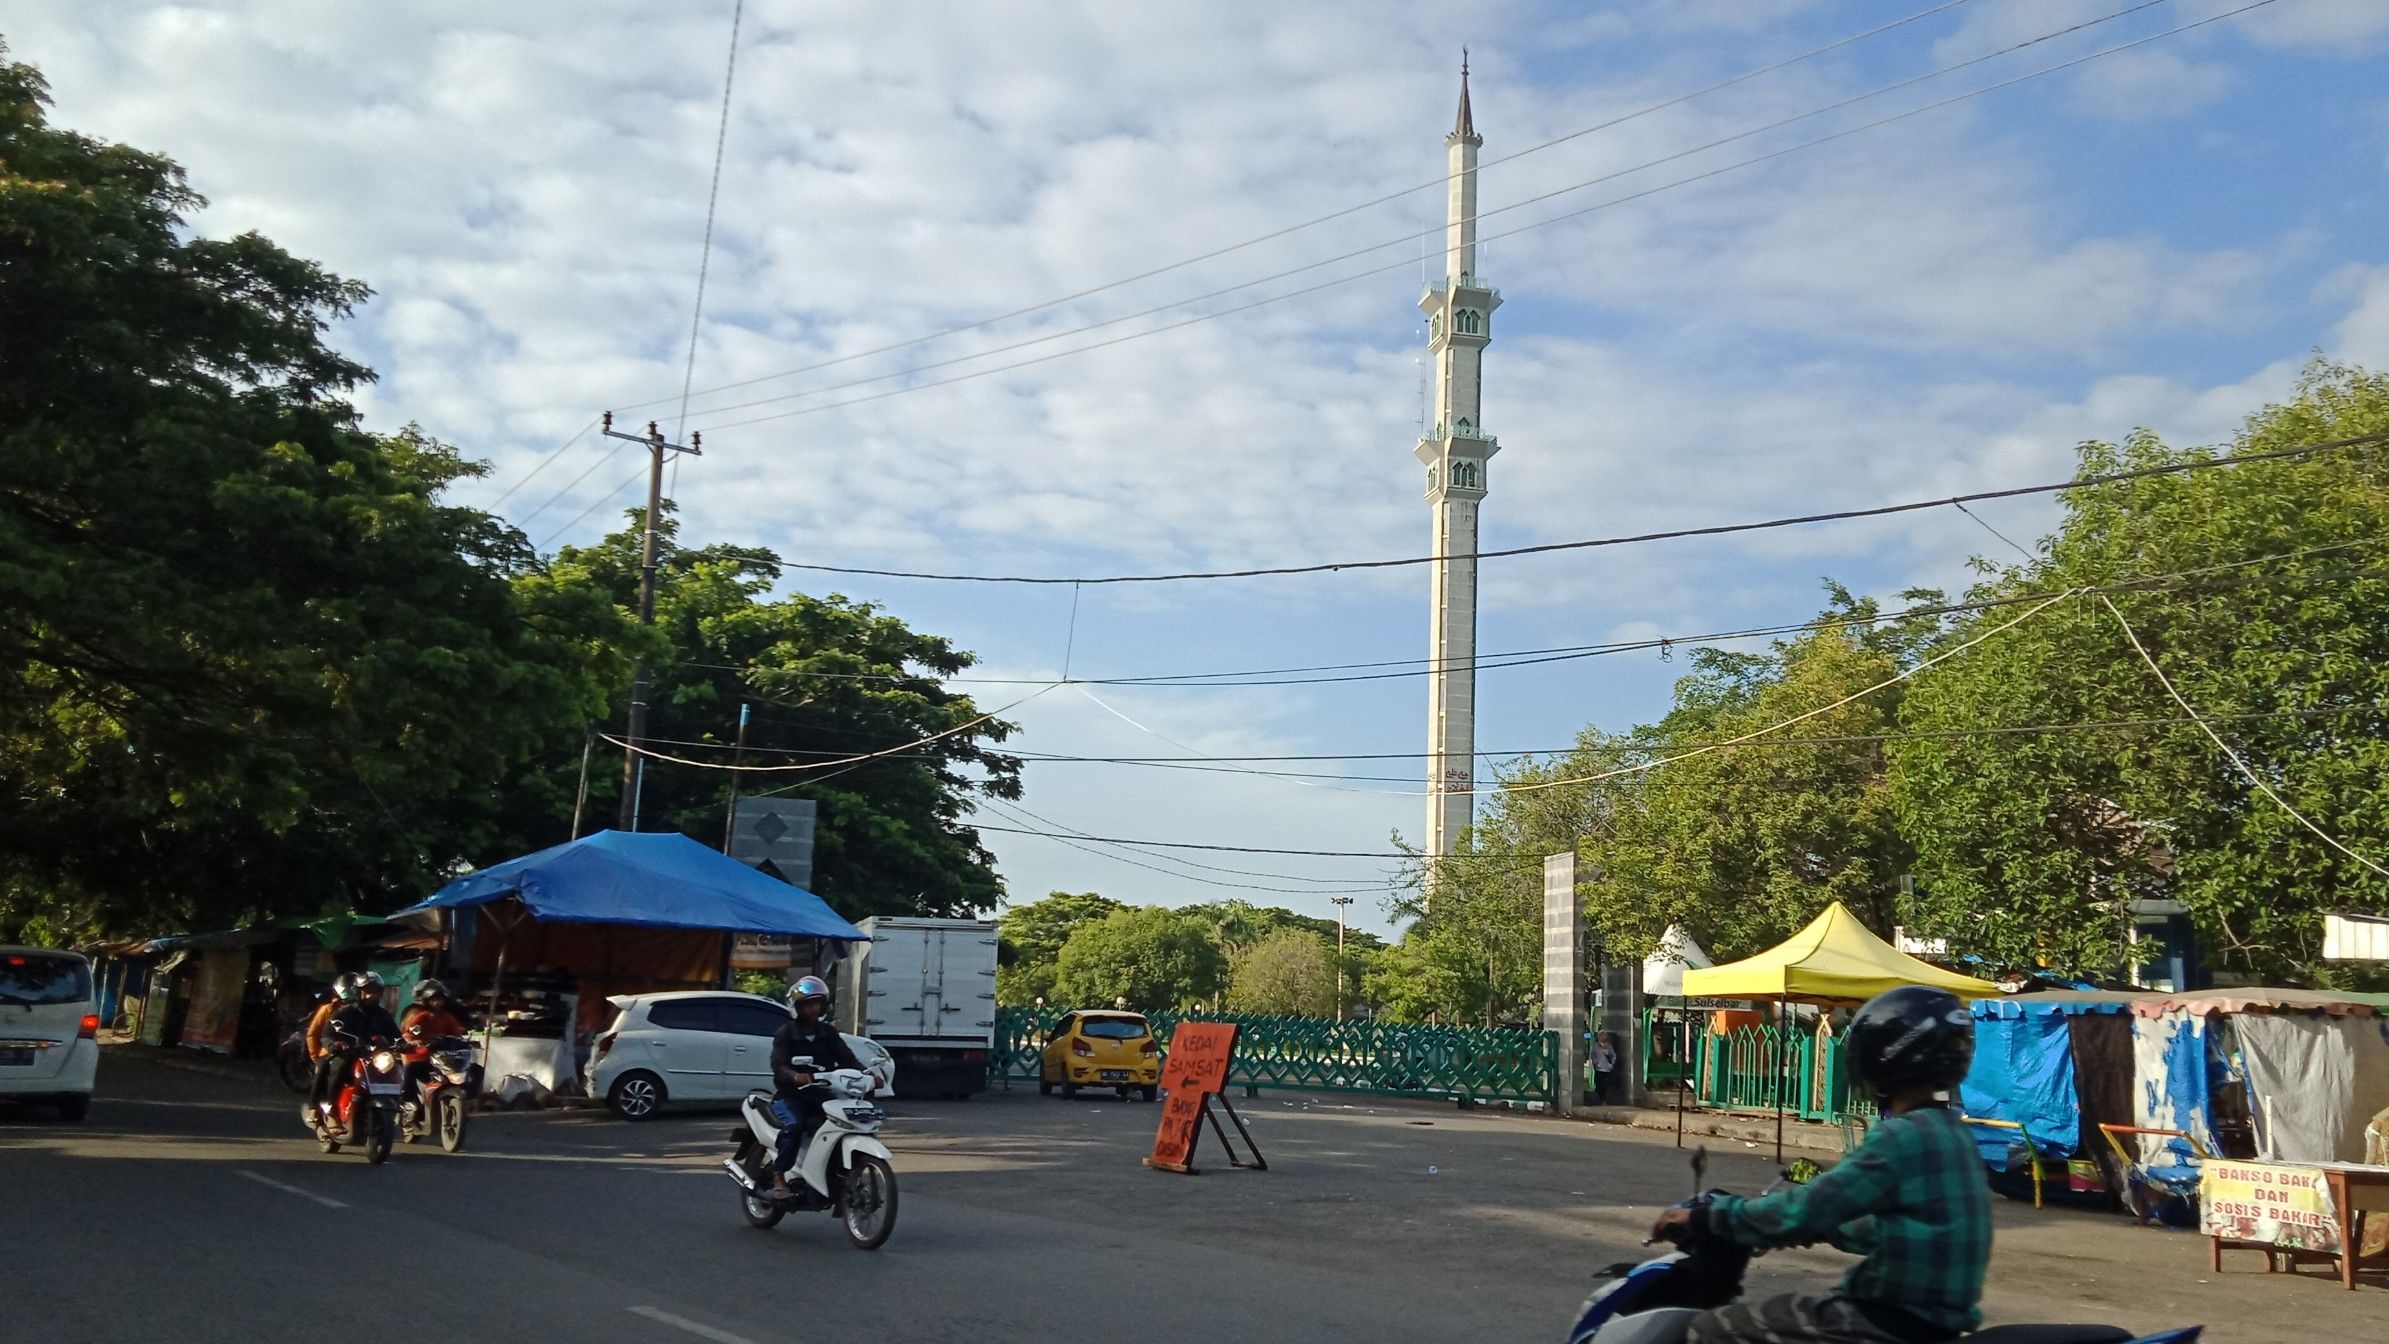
(738, 757)
(634, 766)
(1339, 902)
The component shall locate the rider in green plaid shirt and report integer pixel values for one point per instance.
(1912, 1199)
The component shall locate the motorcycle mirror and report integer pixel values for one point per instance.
(1700, 1167)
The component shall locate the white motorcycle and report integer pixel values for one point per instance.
(841, 1170)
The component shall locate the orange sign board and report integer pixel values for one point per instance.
(1197, 1068)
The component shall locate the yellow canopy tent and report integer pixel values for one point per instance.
(1834, 959)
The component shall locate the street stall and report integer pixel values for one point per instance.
(544, 941)
(1669, 1020)
(1834, 961)
(2050, 1068)
(2272, 1090)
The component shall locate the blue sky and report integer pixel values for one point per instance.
(2158, 238)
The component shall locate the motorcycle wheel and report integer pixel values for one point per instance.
(450, 1121)
(377, 1136)
(761, 1213)
(869, 1203)
(298, 1071)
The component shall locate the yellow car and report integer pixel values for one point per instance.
(1101, 1049)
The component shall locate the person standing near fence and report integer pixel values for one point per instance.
(1605, 1068)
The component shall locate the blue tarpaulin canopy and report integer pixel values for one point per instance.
(657, 879)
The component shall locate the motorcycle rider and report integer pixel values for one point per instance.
(1911, 1199)
(359, 1020)
(431, 1016)
(800, 1052)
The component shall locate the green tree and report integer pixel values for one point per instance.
(1155, 958)
(849, 708)
(2032, 844)
(1290, 973)
(250, 664)
(1032, 939)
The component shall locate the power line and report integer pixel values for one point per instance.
(1483, 238)
(559, 451)
(1068, 834)
(2166, 581)
(1676, 534)
(1290, 229)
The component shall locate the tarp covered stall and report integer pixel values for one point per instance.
(2315, 1081)
(618, 912)
(1836, 960)
(2173, 1089)
(2058, 1064)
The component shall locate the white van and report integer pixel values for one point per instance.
(49, 1029)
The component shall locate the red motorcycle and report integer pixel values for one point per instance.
(442, 1069)
(365, 1110)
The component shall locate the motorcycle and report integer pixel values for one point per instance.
(841, 1170)
(1654, 1302)
(292, 1063)
(435, 1105)
(364, 1112)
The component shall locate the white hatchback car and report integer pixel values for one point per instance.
(697, 1046)
(49, 1029)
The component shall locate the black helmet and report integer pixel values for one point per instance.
(1911, 1037)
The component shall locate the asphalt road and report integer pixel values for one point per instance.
(193, 1208)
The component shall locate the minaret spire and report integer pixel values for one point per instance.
(1455, 450)
(1464, 126)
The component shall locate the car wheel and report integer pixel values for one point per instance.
(1044, 1087)
(73, 1109)
(636, 1096)
(1148, 1091)
(1069, 1091)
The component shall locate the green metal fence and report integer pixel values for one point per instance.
(1315, 1055)
(1746, 1069)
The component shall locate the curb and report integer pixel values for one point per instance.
(1753, 1131)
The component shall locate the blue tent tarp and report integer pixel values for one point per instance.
(656, 879)
(2024, 1073)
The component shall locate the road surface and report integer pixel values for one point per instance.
(192, 1207)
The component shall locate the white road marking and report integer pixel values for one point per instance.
(699, 1329)
(271, 1183)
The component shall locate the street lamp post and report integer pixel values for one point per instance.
(1339, 902)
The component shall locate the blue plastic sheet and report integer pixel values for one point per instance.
(657, 878)
(2023, 1072)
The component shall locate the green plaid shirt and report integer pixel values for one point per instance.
(1912, 1199)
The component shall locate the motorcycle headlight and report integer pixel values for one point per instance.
(385, 1061)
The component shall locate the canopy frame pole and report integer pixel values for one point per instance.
(497, 978)
(1783, 1067)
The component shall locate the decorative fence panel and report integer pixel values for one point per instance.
(1745, 1069)
(1316, 1055)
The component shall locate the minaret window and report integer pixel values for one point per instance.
(1464, 475)
(1435, 327)
(1469, 323)
(1431, 478)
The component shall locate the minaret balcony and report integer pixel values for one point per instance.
(1464, 283)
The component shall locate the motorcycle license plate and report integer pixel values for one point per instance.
(1115, 1075)
(385, 1089)
(16, 1058)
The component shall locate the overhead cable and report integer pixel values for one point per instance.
(1639, 538)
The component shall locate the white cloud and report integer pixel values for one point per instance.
(1914, 311)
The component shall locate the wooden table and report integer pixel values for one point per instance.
(2356, 1189)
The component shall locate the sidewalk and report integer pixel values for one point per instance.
(1751, 1131)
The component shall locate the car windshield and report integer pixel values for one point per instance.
(1113, 1029)
(29, 978)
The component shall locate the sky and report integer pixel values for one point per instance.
(917, 200)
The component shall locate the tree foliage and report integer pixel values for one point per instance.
(2032, 844)
(1290, 973)
(1152, 957)
(848, 707)
(249, 662)
(1032, 939)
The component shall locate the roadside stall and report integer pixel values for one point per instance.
(2050, 1069)
(1835, 961)
(1669, 1020)
(541, 943)
(2276, 1087)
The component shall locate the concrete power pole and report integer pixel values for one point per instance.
(1339, 902)
(634, 767)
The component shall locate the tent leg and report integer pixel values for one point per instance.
(1783, 1070)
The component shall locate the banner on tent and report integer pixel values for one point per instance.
(2269, 1205)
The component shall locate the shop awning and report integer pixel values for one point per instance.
(1834, 959)
(652, 878)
